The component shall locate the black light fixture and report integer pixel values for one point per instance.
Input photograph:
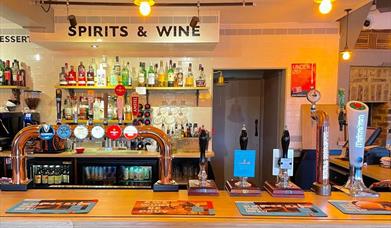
(194, 20)
(71, 18)
(346, 53)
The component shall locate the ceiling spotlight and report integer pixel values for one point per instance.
(325, 6)
(144, 6)
(71, 18)
(346, 53)
(194, 20)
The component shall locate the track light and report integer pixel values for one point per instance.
(325, 6)
(346, 54)
(71, 18)
(144, 6)
(194, 20)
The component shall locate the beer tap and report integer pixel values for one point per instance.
(203, 142)
(285, 163)
(58, 105)
(321, 185)
(107, 140)
(243, 141)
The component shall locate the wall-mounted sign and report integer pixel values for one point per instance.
(158, 29)
(303, 77)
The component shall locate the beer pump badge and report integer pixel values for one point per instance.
(64, 131)
(114, 132)
(130, 132)
(46, 132)
(120, 90)
(80, 132)
(97, 132)
(357, 106)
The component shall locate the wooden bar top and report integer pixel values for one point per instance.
(116, 206)
(373, 171)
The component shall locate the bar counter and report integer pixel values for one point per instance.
(114, 208)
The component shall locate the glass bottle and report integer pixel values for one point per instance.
(110, 109)
(126, 81)
(161, 75)
(201, 82)
(67, 109)
(165, 84)
(81, 70)
(62, 77)
(115, 73)
(2, 68)
(7, 73)
(72, 76)
(57, 174)
(101, 73)
(170, 75)
(51, 174)
(179, 74)
(141, 75)
(96, 106)
(15, 72)
(94, 66)
(134, 77)
(83, 108)
(45, 174)
(38, 175)
(151, 76)
(128, 109)
(190, 78)
(90, 76)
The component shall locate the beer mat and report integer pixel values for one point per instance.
(173, 207)
(40, 206)
(289, 209)
(362, 207)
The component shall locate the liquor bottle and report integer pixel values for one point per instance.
(179, 74)
(38, 175)
(83, 108)
(15, 72)
(115, 73)
(45, 174)
(161, 75)
(190, 78)
(22, 75)
(94, 66)
(7, 73)
(126, 81)
(62, 77)
(96, 107)
(201, 82)
(110, 109)
(170, 75)
(151, 76)
(81, 72)
(128, 109)
(141, 75)
(57, 174)
(2, 68)
(166, 76)
(51, 174)
(67, 109)
(101, 73)
(65, 175)
(90, 76)
(72, 77)
(174, 68)
(66, 69)
(133, 76)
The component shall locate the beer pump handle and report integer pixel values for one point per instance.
(285, 140)
(243, 140)
(203, 142)
(58, 105)
(105, 108)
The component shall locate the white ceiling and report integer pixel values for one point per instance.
(266, 11)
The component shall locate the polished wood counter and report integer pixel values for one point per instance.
(373, 171)
(110, 154)
(114, 207)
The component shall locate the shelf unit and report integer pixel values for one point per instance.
(148, 89)
(12, 87)
(95, 121)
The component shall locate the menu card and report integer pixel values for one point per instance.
(39, 206)
(298, 209)
(173, 207)
(363, 207)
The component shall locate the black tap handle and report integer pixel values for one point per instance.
(285, 140)
(58, 104)
(203, 142)
(243, 140)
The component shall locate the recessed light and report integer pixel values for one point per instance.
(94, 46)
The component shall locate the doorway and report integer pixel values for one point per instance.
(256, 99)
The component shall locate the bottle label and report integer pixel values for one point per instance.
(151, 79)
(171, 77)
(141, 78)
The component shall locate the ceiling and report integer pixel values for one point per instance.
(265, 11)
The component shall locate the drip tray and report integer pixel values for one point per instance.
(99, 187)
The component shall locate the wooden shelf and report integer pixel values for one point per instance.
(12, 87)
(131, 88)
(177, 88)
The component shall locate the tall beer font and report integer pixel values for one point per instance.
(357, 117)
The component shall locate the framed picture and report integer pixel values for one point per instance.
(303, 78)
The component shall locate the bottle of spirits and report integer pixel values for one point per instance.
(72, 76)
(201, 81)
(116, 73)
(15, 72)
(161, 75)
(128, 109)
(90, 76)
(7, 73)
(22, 75)
(94, 66)
(125, 75)
(141, 75)
(190, 78)
(151, 76)
(66, 69)
(45, 174)
(133, 75)
(101, 74)
(179, 74)
(81, 70)
(165, 76)
(2, 68)
(171, 75)
(62, 77)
